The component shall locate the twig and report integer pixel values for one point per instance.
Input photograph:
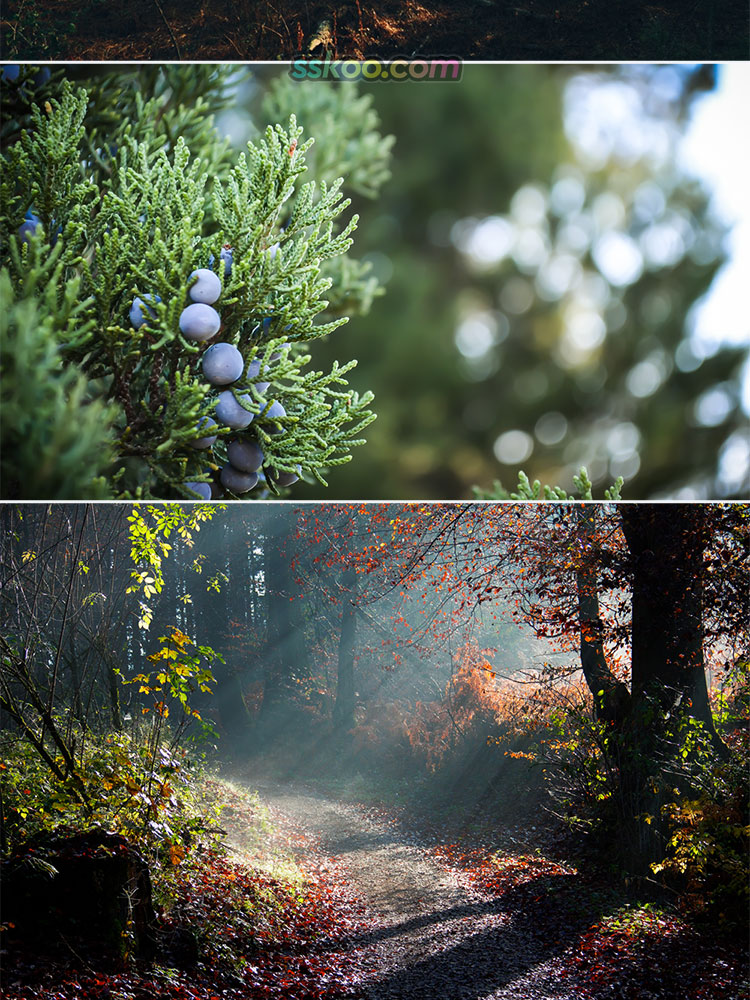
(267, 27)
(660, 885)
(169, 28)
(420, 47)
(70, 947)
(235, 46)
(283, 21)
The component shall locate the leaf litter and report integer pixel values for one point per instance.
(336, 901)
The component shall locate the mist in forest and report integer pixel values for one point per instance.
(356, 642)
(320, 655)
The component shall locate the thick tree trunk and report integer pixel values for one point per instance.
(343, 710)
(667, 545)
(611, 696)
(668, 679)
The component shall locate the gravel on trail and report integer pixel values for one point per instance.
(431, 938)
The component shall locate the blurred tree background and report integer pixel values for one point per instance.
(540, 264)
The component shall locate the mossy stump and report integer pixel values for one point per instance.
(87, 892)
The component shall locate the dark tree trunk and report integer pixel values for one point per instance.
(234, 715)
(667, 545)
(225, 621)
(611, 697)
(113, 686)
(286, 649)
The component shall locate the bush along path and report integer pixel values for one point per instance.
(235, 921)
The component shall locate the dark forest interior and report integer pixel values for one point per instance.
(374, 750)
(471, 29)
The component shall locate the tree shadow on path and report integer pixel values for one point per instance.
(536, 922)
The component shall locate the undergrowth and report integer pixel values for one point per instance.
(236, 914)
(174, 810)
(123, 783)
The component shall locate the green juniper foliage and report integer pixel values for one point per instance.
(121, 189)
(57, 457)
(526, 490)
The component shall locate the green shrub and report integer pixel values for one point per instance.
(147, 792)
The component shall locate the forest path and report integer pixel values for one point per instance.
(432, 938)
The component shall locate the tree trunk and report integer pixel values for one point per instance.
(611, 697)
(234, 715)
(668, 679)
(286, 649)
(667, 545)
(224, 618)
(113, 685)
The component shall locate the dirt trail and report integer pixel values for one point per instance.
(433, 939)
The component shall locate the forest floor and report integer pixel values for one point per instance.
(434, 934)
(498, 916)
(317, 895)
(238, 30)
